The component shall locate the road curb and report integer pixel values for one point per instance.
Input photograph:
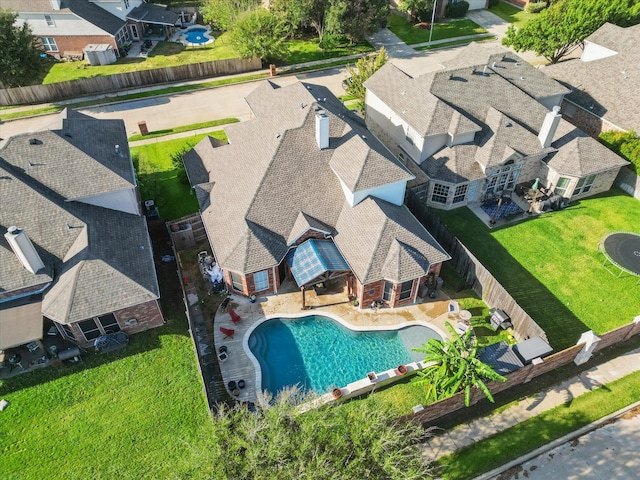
(555, 443)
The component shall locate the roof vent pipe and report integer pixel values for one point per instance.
(322, 130)
(24, 249)
(549, 126)
(484, 71)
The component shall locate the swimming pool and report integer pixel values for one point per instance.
(197, 35)
(319, 353)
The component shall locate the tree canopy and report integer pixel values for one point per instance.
(455, 367)
(363, 69)
(561, 28)
(277, 440)
(222, 14)
(259, 33)
(20, 61)
(357, 18)
(420, 10)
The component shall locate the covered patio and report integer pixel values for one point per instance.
(152, 22)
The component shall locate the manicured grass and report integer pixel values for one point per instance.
(136, 413)
(457, 42)
(31, 113)
(184, 128)
(164, 54)
(307, 50)
(160, 180)
(550, 266)
(517, 16)
(453, 28)
(540, 430)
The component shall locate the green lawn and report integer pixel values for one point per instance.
(136, 413)
(517, 16)
(165, 54)
(453, 28)
(455, 43)
(550, 266)
(540, 430)
(307, 50)
(160, 181)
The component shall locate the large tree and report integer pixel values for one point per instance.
(561, 28)
(418, 9)
(357, 18)
(222, 14)
(280, 440)
(455, 367)
(260, 33)
(20, 61)
(364, 68)
(304, 13)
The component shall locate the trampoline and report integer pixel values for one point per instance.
(622, 251)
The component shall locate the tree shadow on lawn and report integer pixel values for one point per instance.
(562, 327)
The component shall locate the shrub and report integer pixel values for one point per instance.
(494, 3)
(625, 144)
(457, 10)
(536, 7)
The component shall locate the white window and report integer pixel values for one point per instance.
(440, 193)
(460, 194)
(387, 291)
(561, 187)
(405, 290)
(49, 20)
(126, 4)
(261, 281)
(49, 44)
(584, 185)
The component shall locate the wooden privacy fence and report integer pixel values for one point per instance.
(187, 232)
(113, 83)
(432, 413)
(475, 274)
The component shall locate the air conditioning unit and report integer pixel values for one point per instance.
(131, 322)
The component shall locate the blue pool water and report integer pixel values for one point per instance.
(318, 353)
(197, 35)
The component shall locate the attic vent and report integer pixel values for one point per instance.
(493, 65)
(517, 64)
(31, 164)
(484, 71)
(33, 141)
(450, 76)
(117, 148)
(364, 137)
(521, 78)
(507, 124)
(302, 105)
(277, 135)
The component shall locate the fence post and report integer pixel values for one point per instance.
(590, 341)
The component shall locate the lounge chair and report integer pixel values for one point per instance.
(228, 332)
(235, 318)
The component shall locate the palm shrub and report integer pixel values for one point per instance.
(455, 367)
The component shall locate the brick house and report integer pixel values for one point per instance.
(603, 81)
(66, 27)
(480, 127)
(303, 190)
(75, 252)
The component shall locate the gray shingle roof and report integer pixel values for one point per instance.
(499, 102)
(79, 160)
(100, 259)
(380, 240)
(600, 86)
(272, 182)
(150, 13)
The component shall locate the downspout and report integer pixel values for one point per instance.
(275, 283)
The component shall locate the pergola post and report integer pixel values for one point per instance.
(304, 306)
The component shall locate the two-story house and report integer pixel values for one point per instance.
(75, 251)
(485, 123)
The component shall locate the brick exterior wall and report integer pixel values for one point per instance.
(147, 316)
(310, 234)
(586, 121)
(75, 44)
(22, 291)
(248, 285)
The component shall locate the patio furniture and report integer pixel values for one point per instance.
(228, 332)
(235, 318)
(453, 309)
(225, 304)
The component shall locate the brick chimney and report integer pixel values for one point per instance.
(24, 249)
(549, 126)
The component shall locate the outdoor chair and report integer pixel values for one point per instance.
(228, 332)
(453, 309)
(235, 318)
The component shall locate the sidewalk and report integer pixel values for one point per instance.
(466, 434)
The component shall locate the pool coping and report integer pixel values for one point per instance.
(379, 377)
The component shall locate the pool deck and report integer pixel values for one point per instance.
(238, 365)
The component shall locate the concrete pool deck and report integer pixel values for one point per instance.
(238, 365)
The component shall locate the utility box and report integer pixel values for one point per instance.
(499, 319)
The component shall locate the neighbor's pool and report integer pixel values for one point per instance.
(197, 35)
(318, 353)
